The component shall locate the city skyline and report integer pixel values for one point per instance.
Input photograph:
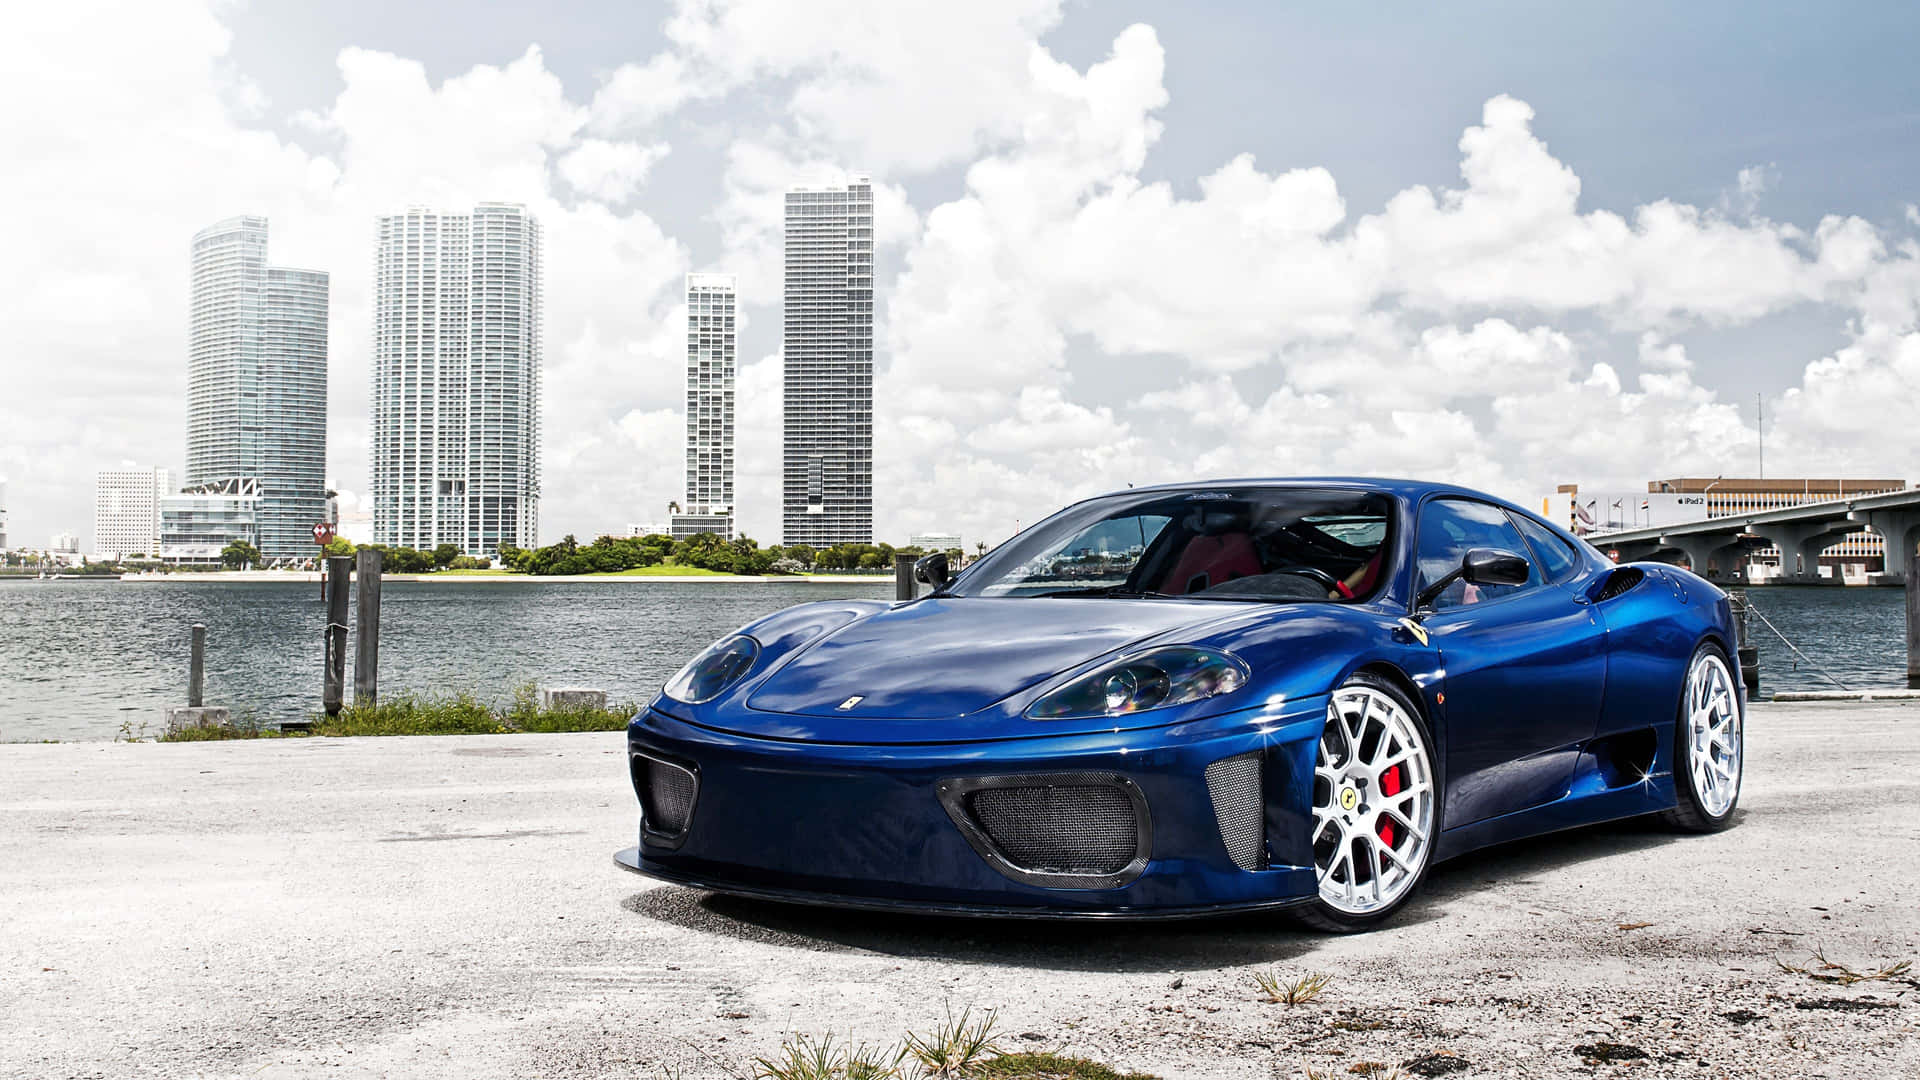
(257, 381)
(457, 351)
(1112, 246)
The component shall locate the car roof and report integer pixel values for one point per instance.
(1406, 489)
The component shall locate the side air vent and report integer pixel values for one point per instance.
(1234, 784)
(1057, 830)
(1620, 581)
(666, 793)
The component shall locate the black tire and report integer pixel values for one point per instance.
(1326, 918)
(1690, 812)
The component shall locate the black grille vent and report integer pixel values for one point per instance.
(1066, 830)
(1620, 581)
(666, 795)
(1234, 784)
(1069, 829)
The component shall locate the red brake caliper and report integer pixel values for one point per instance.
(1389, 786)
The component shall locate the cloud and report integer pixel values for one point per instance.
(1051, 322)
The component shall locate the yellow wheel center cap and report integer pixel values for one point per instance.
(1349, 798)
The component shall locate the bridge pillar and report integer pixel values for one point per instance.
(1714, 556)
(1901, 529)
(1800, 547)
(1897, 528)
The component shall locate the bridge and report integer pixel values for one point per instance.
(1716, 548)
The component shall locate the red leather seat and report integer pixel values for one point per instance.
(1209, 561)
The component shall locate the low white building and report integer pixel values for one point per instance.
(198, 523)
(66, 543)
(935, 541)
(126, 511)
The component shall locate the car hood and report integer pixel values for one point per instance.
(947, 657)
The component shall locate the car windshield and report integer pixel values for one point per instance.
(1229, 543)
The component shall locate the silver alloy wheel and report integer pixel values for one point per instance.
(1714, 735)
(1373, 802)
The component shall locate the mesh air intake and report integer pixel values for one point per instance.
(1234, 784)
(1060, 829)
(666, 795)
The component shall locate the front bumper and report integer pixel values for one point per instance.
(865, 826)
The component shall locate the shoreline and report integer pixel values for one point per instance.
(312, 577)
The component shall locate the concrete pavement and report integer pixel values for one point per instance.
(447, 907)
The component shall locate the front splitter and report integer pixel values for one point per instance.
(628, 859)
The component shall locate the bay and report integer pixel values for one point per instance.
(97, 660)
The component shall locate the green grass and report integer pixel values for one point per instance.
(407, 714)
(1043, 1066)
(664, 570)
(459, 713)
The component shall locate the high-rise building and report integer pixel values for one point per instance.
(3, 513)
(257, 380)
(827, 474)
(710, 370)
(457, 345)
(64, 543)
(126, 511)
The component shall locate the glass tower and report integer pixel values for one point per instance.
(257, 380)
(827, 474)
(710, 371)
(457, 343)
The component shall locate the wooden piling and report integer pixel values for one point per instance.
(1913, 613)
(339, 569)
(903, 583)
(366, 630)
(197, 667)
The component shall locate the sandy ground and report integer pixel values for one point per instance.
(447, 907)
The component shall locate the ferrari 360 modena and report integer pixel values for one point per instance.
(1193, 699)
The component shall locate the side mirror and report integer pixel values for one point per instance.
(932, 570)
(1492, 566)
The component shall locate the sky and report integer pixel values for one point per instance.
(1492, 243)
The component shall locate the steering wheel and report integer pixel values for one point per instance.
(1320, 576)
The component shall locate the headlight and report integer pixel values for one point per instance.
(708, 675)
(1174, 675)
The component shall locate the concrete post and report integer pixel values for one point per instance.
(197, 667)
(366, 631)
(904, 587)
(334, 677)
(1901, 531)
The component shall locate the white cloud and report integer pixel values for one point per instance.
(610, 171)
(1269, 327)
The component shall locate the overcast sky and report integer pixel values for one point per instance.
(1503, 244)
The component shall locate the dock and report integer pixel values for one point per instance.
(448, 907)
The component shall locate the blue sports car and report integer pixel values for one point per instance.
(1193, 699)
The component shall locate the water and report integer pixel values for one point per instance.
(79, 659)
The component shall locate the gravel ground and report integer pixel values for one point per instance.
(448, 907)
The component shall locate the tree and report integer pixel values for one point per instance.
(444, 554)
(239, 554)
(339, 545)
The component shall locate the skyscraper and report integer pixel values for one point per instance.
(456, 379)
(827, 495)
(257, 380)
(710, 368)
(126, 511)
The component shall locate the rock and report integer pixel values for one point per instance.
(182, 717)
(572, 697)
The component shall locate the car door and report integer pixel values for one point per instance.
(1525, 667)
